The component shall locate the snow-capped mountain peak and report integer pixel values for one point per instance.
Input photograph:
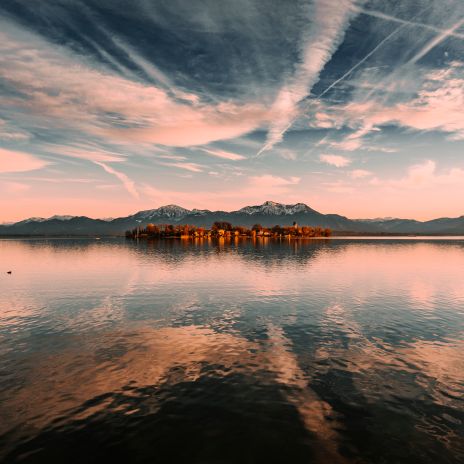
(177, 213)
(168, 211)
(172, 211)
(41, 219)
(200, 212)
(61, 218)
(33, 219)
(275, 209)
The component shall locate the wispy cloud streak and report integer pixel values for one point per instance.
(224, 154)
(192, 167)
(329, 21)
(128, 183)
(363, 60)
(436, 41)
(387, 17)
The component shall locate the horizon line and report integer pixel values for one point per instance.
(173, 205)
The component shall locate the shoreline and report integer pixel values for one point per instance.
(230, 239)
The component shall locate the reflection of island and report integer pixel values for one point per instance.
(226, 229)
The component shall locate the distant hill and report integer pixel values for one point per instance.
(268, 214)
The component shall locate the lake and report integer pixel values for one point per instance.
(311, 351)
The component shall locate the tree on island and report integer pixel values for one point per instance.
(227, 230)
(222, 225)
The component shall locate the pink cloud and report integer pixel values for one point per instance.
(87, 153)
(437, 106)
(71, 93)
(434, 103)
(322, 123)
(184, 126)
(335, 160)
(269, 181)
(347, 145)
(193, 167)
(225, 154)
(18, 161)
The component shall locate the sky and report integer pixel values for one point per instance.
(108, 107)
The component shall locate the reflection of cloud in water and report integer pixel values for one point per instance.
(400, 375)
(158, 358)
(90, 377)
(329, 337)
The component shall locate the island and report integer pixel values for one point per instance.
(222, 229)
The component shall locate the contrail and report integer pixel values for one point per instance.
(404, 24)
(363, 60)
(269, 144)
(432, 44)
(436, 41)
(398, 29)
(380, 15)
(330, 19)
(426, 49)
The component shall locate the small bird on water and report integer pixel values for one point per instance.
(8, 272)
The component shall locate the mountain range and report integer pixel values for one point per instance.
(268, 214)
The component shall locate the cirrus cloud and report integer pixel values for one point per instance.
(224, 154)
(18, 161)
(128, 183)
(329, 21)
(335, 160)
(269, 181)
(69, 92)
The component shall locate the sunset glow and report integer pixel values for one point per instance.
(352, 107)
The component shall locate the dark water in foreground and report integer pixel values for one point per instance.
(342, 351)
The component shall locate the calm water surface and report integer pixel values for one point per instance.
(340, 351)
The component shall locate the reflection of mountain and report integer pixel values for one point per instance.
(268, 214)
